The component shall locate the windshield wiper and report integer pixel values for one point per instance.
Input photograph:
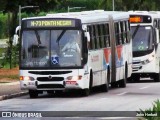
(60, 36)
(38, 38)
(135, 31)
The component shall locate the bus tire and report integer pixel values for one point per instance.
(114, 84)
(157, 77)
(136, 78)
(85, 92)
(105, 87)
(122, 83)
(33, 93)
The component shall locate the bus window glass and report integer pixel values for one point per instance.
(102, 35)
(51, 48)
(117, 33)
(142, 40)
(99, 35)
(95, 36)
(70, 47)
(35, 45)
(121, 33)
(92, 38)
(90, 32)
(107, 35)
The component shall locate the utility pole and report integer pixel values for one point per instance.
(70, 8)
(113, 4)
(24, 7)
(10, 41)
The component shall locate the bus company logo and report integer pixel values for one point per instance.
(119, 52)
(107, 53)
(50, 77)
(95, 58)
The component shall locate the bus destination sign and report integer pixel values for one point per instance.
(50, 23)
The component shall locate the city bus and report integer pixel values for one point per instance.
(101, 56)
(146, 48)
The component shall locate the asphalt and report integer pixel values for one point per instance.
(11, 90)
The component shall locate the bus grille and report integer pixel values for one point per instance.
(136, 66)
(50, 79)
(50, 86)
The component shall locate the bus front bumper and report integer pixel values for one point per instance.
(56, 85)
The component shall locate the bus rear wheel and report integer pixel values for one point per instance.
(85, 92)
(122, 83)
(105, 87)
(156, 77)
(33, 93)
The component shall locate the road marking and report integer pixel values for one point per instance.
(144, 87)
(122, 93)
(113, 118)
(72, 117)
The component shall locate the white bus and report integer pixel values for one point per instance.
(77, 50)
(146, 48)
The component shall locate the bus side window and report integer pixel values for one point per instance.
(117, 33)
(99, 35)
(128, 31)
(107, 35)
(90, 32)
(104, 35)
(94, 37)
(122, 33)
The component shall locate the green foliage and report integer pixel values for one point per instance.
(3, 26)
(152, 113)
(8, 24)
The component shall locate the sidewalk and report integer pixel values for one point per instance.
(11, 90)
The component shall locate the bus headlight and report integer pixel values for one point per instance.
(147, 61)
(74, 77)
(26, 78)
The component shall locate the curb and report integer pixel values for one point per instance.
(5, 97)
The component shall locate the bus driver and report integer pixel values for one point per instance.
(71, 45)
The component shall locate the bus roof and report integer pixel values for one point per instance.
(154, 14)
(88, 16)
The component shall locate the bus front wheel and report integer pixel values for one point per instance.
(33, 93)
(157, 78)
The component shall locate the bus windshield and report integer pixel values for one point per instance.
(51, 48)
(142, 38)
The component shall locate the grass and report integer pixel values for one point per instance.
(9, 75)
(152, 113)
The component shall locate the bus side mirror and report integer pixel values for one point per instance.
(87, 35)
(15, 39)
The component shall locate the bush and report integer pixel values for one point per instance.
(151, 113)
(3, 26)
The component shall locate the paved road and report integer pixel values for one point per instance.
(118, 100)
(10, 90)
